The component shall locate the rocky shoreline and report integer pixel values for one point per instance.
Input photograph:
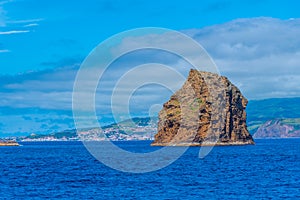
(9, 143)
(204, 144)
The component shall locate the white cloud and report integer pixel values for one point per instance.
(4, 50)
(49, 89)
(171, 42)
(13, 32)
(5, 2)
(3, 13)
(43, 100)
(259, 54)
(31, 25)
(25, 21)
(2, 17)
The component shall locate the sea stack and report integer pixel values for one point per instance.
(208, 110)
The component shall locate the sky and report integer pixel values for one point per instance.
(254, 43)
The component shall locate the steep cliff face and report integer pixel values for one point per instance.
(207, 110)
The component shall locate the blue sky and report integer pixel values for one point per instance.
(59, 31)
(42, 43)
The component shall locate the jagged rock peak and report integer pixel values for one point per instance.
(208, 110)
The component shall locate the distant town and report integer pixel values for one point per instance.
(135, 129)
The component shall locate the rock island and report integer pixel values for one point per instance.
(208, 110)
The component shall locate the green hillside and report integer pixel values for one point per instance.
(138, 121)
(260, 111)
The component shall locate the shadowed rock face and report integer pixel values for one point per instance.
(208, 110)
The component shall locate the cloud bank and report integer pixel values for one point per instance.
(260, 55)
(4, 50)
(13, 32)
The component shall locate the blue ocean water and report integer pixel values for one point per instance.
(65, 170)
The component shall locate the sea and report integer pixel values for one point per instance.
(66, 170)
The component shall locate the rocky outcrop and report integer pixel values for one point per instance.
(9, 143)
(207, 110)
(279, 128)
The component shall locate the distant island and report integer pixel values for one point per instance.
(8, 143)
(261, 111)
(127, 130)
(279, 128)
